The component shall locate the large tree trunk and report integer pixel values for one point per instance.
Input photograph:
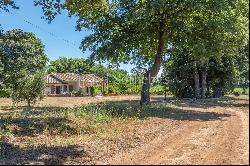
(153, 71)
(29, 103)
(196, 81)
(145, 94)
(204, 83)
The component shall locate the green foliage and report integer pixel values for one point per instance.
(240, 91)
(246, 91)
(79, 93)
(133, 89)
(178, 71)
(30, 88)
(6, 4)
(130, 31)
(158, 90)
(4, 92)
(223, 74)
(70, 65)
(22, 64)
(20, 51)
(95, 90)
(237, 91)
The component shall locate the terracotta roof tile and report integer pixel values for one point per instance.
(59, 78)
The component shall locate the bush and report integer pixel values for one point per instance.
(79, 93)
(247, 91)
(159, 90)
(133, 89)
(95, 90)
(105, 93)
(112, 89)
(238, 91)
(5, 92)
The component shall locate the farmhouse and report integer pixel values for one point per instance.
(59, 84)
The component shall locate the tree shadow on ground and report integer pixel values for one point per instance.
(128, 109)
(29, 126)
(12, 154)
(225, 101)
(33, 110)
(54, 121)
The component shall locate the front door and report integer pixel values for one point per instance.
(58, 89)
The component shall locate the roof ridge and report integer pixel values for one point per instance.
(55, 77)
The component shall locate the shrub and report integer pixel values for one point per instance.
(238, 91)
(5, 92)
(94, 90)
(112, 89)
(159, 90)
(79, 93)
(105, 92)
(247, 91)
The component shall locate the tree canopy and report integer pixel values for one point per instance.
(20, 51)
(141, 31)
(6, 4)
(21, 57)
(72, 65)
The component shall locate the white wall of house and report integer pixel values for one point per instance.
(66, 87)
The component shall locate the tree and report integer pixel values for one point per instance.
(222, 76)
(30, 88)
(21, 55)
(6, 4)
(178, 70)
(139, 31)
(72, 65)
(216, 35)
(20, 51)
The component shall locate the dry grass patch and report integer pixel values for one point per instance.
(90, 133)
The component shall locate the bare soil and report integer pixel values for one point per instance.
(194, 132)
(224, 141)
(69, 101)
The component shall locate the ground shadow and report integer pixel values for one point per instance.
(12, 154)
(128, 109)
(53, 120)
(31, 125)
(225, 101)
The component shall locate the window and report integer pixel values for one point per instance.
(52, 89)
(65, 88)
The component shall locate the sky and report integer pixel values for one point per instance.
(62, 28)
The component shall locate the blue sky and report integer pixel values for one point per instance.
(62, 26)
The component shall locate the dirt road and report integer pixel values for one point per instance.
(224, 141)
